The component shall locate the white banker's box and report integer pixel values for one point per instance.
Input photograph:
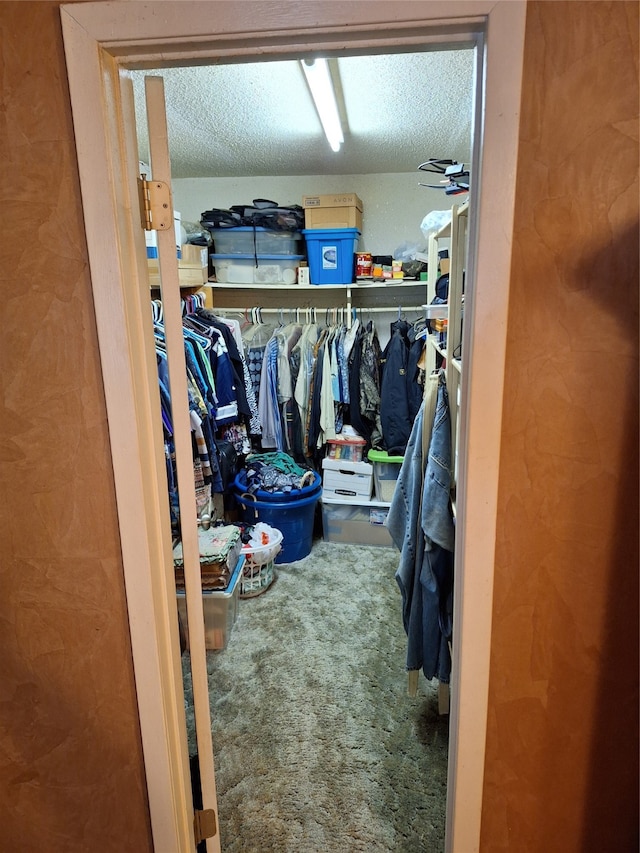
(342, 478)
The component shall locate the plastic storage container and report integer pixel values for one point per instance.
(220, 608)
(294, 519)
(240, 486)
(349, 449)
(385, 473)
(258, 573)
(358, 522)
(331, 254)
(270, 269)
(247, 240)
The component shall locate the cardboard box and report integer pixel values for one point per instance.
(189, 276)
(341, 478)
(194, 256)
(338, 210)
(192, 276)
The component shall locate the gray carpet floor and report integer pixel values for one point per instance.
(318, 748)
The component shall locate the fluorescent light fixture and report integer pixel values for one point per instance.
(319, 79)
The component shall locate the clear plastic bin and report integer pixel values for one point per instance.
(220, 609)
(247, 240)
(355, 522)
(385, 473)
(270, 269)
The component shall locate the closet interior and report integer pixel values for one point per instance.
(311, 398)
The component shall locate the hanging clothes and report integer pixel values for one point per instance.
(364, 385)
(394, 400)
(302, 366)
(400, 387)
(208, 323)
(287, 337)
(421, 525)
(268, 408)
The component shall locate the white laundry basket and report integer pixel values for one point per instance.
(258, 572)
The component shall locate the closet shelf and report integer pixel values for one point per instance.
(386, 284)
(223, 285)
(374, 297)
(438, 345)
(318, 288)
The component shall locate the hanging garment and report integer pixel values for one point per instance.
(421, 525)
(287, 337)
(364, 385)
(268, 405)
(313, 428)
(394, 400)
(327, 418)
(302, 365)
(415, 374)
(209, 324)
(401, 388)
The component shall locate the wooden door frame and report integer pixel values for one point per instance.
(102, 38)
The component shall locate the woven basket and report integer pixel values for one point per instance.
(258, 572)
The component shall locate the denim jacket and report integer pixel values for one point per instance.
(423, 531)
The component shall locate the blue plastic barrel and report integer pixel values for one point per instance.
(293, 518)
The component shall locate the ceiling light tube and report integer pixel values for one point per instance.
(319, 79)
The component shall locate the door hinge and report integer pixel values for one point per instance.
(204, 824)
(156, 210)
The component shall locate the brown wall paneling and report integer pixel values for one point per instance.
(71, 770)
(562, 751)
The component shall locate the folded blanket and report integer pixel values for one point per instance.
(219, 549)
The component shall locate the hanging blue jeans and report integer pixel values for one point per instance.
(421, 525)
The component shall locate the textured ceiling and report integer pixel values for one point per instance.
(259, 119)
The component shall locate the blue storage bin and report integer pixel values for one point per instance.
(240, 486)
(331, 254)
(294, 519)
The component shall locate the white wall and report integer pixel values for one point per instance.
(394, 204)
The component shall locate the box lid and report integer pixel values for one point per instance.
(357, 442)
(345, 466)
(330, 233)
(383, 456)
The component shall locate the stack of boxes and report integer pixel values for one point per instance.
(349, 513)
(333, 225)
(192, 260)
(193, 265)
(255, 255)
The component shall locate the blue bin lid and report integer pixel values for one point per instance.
(332, 233)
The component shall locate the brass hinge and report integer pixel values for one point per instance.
(204, 824)
(156, 210)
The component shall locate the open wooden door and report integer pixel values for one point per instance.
(102, 39)
(157, 193)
